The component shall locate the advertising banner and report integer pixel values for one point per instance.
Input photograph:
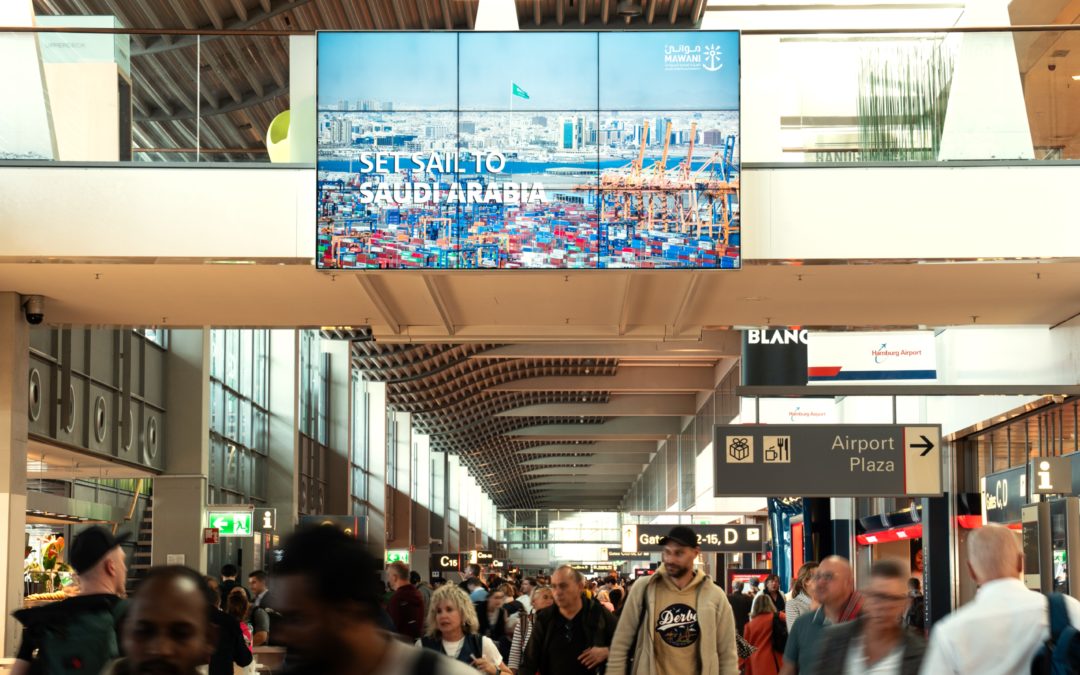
(567, 150)
(871, 357)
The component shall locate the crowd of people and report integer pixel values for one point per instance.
(334, 615)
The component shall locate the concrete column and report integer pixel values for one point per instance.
(337, 460)
(282, 480)
(302, 99)
(180, 494)
(14, 369)
(987, 116)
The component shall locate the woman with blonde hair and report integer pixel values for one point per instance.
(542, 598)
(452, 628)
(764, 622)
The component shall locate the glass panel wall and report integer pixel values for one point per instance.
(239, 418)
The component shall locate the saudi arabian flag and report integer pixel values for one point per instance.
(518, 91)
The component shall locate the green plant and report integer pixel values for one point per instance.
(903, 95)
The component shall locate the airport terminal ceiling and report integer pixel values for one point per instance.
(534, 422)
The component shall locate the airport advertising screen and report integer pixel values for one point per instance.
(520, 150)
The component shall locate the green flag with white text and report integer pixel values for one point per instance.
(518, 91)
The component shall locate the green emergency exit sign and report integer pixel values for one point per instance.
(401, 556)
(231, 523)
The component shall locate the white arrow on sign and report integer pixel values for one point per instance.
(221, 523)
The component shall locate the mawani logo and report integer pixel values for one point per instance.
(685, 57)
(712, 59)
(677, 625)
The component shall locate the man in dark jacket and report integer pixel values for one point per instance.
(573, 636)
(878, 636)
(740, 606)
(406, 605)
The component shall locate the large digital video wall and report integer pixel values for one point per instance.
(568, 150)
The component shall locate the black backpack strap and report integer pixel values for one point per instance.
(425, 664)
(640, 621)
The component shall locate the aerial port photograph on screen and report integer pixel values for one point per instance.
(620, 151)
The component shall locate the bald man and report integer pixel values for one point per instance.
(999, 631)
(834, 590)
(168, 630)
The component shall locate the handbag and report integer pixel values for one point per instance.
(743, 648)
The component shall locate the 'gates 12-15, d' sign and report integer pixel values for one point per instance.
(568, 150)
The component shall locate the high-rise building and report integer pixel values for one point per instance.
(468, 127)
(713, 138)
(343, 104)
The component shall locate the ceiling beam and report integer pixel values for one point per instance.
(697, 12)
(239, 9)
(650, 13)
(398, 14)
(434, 290)
(374, 14)
(367, 282)
(559, 11)
(538, 14)
(624, 312)
(447, 17)
(268, 12)
(674, 16)
(627, 459)
(605, 11)
(626, 379)
(212, 12)
(421, 9)
(644, 405)
(470, 15)
(246, 100)
(583, 11)
(623, 471)
(584, 477)
(593, 448)
(619, 428)
(689, 296)
(714, 344)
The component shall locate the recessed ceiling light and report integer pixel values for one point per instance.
(1076, 77)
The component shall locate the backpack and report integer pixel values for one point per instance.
(1060, 654)
(779, 634)
(74, 641)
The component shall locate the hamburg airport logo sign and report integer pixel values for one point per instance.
(435, 155)
(697, 57)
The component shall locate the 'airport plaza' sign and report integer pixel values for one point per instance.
(711, 538)
(828, 460)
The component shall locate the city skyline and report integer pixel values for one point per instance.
(413, 71)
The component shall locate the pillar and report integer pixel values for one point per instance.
(14, 369)
(338, 472)
(987, 115)
(282, 481)
(180, 494)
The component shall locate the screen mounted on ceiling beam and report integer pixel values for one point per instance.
(528, 150)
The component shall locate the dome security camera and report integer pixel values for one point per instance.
(33, 309)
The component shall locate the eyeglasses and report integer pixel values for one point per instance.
(823, 576)
(883, 597)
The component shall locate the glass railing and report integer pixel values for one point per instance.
(912, 97)
(115, 97)
(807, 97)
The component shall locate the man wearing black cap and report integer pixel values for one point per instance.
(80, 633)
(676, 622)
